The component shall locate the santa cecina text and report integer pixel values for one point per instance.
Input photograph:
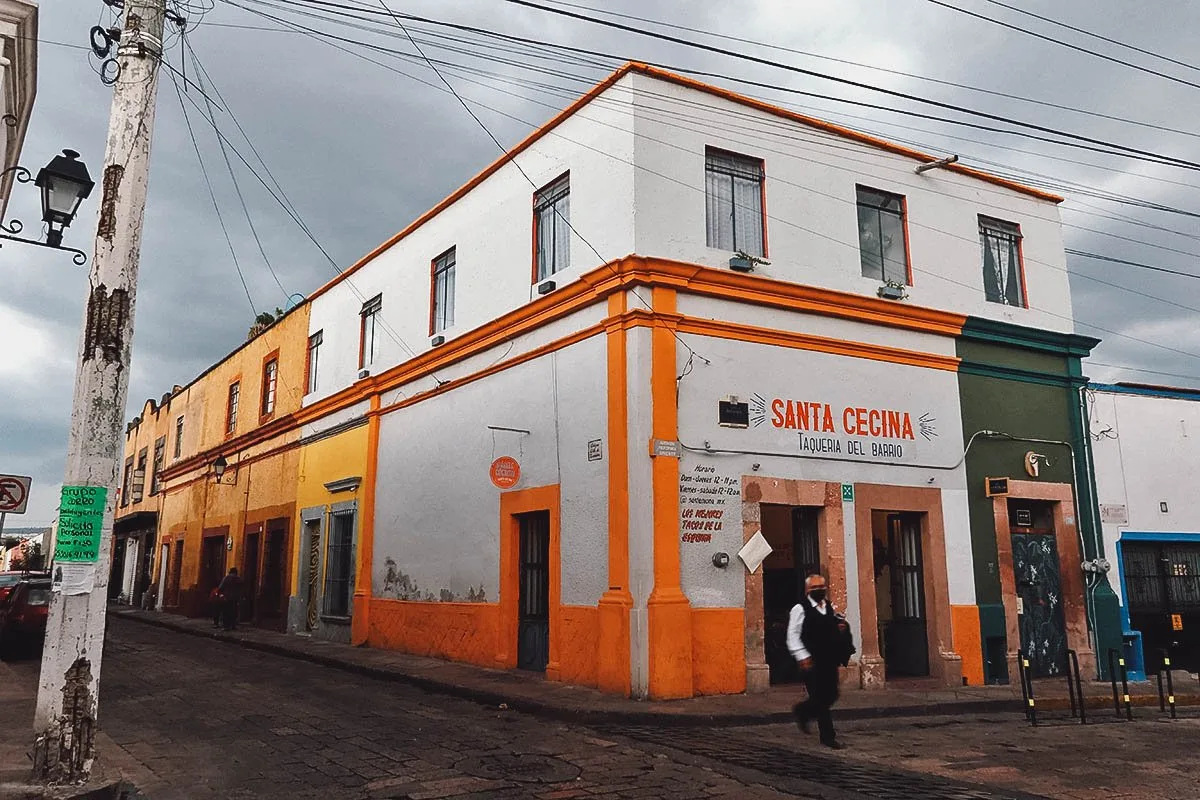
(855, 421)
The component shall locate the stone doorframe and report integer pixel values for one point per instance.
(945, 665)
(1066, 534)
(756, 491)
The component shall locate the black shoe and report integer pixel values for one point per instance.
(834, 744)
(801, 718)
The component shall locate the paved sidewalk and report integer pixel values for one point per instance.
(529, 692)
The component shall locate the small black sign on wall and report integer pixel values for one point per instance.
(731, 413)
(1024, 517)
(997, 487)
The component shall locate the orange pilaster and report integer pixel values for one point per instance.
(669, 614)
(360, 623)
(613, 666)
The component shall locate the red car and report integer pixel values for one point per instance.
(23, 617)
(7, 581)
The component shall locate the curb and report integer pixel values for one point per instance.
(588, 716)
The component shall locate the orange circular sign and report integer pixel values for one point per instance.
(505, 472)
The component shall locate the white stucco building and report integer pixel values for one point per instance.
(688, 317)
(1147, 470)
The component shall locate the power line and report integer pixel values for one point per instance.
(1112, 259)
(213, 196)
(241, 198)
(887, 70)
(1068, 45)
(845, 81)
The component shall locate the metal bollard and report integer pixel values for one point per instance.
(1166, 667)
(1073, 658)
(1125, 688)
(1027, 688)
(1112, 678)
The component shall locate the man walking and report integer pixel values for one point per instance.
(817, 638)
(231, 593)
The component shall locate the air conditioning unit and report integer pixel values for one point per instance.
(364, 373)
(437, 340)
(546, 287)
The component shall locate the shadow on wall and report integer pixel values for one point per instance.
(399, 586)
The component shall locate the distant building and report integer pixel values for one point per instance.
(536, 426)
(1147, 445)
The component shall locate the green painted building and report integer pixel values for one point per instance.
(1028, 454)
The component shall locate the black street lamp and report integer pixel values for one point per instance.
(64, 183)
(218, 470)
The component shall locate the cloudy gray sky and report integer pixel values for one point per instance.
(361, 150)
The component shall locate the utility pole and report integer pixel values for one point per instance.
(66, 718)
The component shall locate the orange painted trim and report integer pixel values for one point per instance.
(523, 501)
(820, 344)
(968, 642)
(908, 265)
(829, 127)
(1021, 265)
(200, 460)
(762, 189)
(364, 570)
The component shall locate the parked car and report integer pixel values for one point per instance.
(7, 581)
(23, 617)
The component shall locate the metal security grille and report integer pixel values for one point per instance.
(1162, 576)
(853, 780)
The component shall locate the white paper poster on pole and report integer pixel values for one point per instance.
(755, 551)
(73, 578)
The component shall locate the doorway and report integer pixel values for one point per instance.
(250, 573)
(533, 620)
(900, 603)
(795, 554)
(312, 591)
(1162, 593)
(164, 563)
(212, 561)
(270, 606)
(1038, 576)
(175, 575)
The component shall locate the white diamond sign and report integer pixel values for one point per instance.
(755, 551)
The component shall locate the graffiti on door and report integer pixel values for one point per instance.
(1040, 611)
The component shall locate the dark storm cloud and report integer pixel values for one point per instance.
(361, 151)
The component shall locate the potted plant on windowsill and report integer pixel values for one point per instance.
(893, 290)
(744, 262)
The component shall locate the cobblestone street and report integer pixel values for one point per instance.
(204, 719)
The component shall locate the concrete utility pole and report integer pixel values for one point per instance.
(65, 720)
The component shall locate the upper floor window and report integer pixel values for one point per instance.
(369, 330)
(442, 310)
(179, 436)
(127, 482)
(882, 242)
(313, 361)
(231, 407)
(139, 476)
(160, 455)
(733, 194)
(270, 380)
(1003, 270)
(552, 228)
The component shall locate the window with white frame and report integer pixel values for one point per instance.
(1003, 270)
(369, 330)
(231, 407)
(881, 236)
(270, 382)
(733, 194)
(312, 363)
(552, 228)
(442, 312)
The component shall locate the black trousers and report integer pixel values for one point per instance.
(822, 685)
(229, 614)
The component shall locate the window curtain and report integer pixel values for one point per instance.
(562, 233)
(545, 242)
(719, 210)
(1001, 268)
(747, 216)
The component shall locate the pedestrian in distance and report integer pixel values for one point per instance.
(215, 606)
(231, 593)
(819, 639)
